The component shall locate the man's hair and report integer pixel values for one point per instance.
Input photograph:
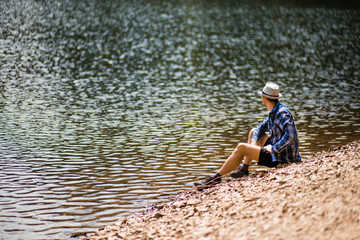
(272, 100)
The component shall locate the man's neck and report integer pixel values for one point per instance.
(270, 105)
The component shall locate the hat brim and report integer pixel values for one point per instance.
(261, 93)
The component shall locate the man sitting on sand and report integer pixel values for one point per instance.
(282, 146)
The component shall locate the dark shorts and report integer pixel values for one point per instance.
(265, 158)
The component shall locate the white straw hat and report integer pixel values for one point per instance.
(271, 91)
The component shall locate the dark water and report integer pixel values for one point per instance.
(110, 106)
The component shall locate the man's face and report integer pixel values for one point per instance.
(263, 100)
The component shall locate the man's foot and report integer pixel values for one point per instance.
(209, 182)
(239, 173)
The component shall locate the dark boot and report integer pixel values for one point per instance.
(209, 182)
(239, 173)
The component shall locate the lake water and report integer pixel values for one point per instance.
(108, 107)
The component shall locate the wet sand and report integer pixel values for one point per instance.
(316, 199)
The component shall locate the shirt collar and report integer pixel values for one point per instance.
(274, 110)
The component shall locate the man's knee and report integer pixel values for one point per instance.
(240, 147)
(251, 133)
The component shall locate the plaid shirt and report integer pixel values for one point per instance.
(283, 134)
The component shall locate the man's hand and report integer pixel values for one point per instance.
(268, 148)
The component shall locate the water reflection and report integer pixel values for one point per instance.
(109, 106)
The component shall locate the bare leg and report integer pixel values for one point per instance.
(249, 151)
(242, 149)
(259, 143)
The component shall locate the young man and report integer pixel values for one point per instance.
(282, 146)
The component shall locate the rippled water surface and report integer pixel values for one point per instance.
(107, 107)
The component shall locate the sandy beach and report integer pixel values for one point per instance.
(316, 199)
